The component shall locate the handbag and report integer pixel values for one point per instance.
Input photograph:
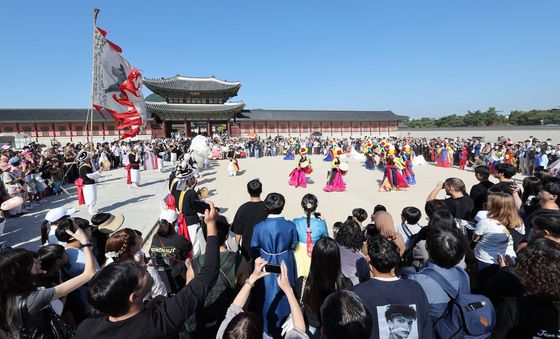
(58, 328)
(288, 324)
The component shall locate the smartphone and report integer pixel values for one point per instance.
(272, 268)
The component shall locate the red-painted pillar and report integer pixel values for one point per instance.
(331, 129)
(70, 129)
(36, 132)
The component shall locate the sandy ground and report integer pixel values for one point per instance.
(141, 206)
(361, 187)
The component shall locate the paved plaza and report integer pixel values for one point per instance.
(141, 206)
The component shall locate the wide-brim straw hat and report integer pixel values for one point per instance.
(112, 224)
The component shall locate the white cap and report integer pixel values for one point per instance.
(59, 212)
(168, 215)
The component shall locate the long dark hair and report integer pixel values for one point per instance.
(324, 274)
(309, 204)
(15, 270)
(45, 228)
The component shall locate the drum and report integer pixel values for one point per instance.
(344, 167)
(106, 165)
(203, 192)
(304, 164)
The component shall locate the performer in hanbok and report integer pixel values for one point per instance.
(289, 154)
(370, 159)
(125, 152)
(87, 190)
(442, 156)
(330, 154)
(392, 178)
(149, 157)
(233, 165)
(407, 171)
(159, 151)
(335, 183)
(185, 200)
(298, 176)
(463, 157)
(173, 154)
(133, 168)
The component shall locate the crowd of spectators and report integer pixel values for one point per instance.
(489, 253)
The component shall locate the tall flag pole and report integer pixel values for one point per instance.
(116, 86)
(89, 118)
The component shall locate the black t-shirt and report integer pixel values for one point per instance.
(166, 320)
(168, 256)
(478, 195)
(527, 317)
(461, 208)
(248, 215)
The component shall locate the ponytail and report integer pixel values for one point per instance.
(45, 225)
(309, 204)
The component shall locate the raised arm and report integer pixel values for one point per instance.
(435, 191)
(89, 271)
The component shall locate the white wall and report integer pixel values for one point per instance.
(490, 134)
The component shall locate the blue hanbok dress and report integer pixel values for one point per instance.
(289, 154)
(275, 240)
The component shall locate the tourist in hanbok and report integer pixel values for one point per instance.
(335, 183)
(392, 178)
(289, 154)
(274, 240)
(149, 158)
(310, 229)
(298, 176)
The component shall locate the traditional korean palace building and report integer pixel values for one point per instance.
(197, 105)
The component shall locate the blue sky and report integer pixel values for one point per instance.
(416, 58)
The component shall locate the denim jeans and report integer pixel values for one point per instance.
(57, 186)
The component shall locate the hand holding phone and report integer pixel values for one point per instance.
(272, 268)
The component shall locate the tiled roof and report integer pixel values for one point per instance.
(318, 115)
(190, 84)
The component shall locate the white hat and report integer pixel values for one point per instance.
(58, 213)
(168, 215)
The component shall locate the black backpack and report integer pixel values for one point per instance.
(220, 297)
(408, 255)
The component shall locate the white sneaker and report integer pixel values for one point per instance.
(135, 186)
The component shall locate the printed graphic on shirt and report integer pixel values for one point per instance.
(397, 321)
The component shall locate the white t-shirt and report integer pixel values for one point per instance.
(405, 234)
(494, 239)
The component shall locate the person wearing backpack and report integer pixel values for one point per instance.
(447, 288)
(399, 307)
(409, 229)
(234, 270)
